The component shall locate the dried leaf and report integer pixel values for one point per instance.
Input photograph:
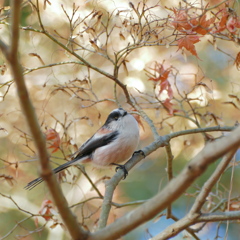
(234, 206)
(53, 225)
(94, 45)
(205, 86)
(168, 106)
(180, 21)
(3, 68)
(9, 179)
(36, 222)
(122, 36)
(47, 210)
(232, 103)
(237, 61)
(188, 42)
(36, 55)
(125, 66)
(203, 26)
(234, 96)
(53, 136)
(161, 75)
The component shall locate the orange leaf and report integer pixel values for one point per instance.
(221, 26)
(53, 136)
(232, 24)
(169, 106)
(46, 210)
(180, 21)
(237, 61)
(162, 73)
(188, 42)
(36, 222)
(234, 206)
(203, 25)
(165, 85)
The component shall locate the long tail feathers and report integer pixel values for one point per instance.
(37, 181)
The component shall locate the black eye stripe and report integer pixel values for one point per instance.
(115, 115)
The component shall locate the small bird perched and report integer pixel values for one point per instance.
(113, 143)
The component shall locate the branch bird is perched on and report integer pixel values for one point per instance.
(113, 143)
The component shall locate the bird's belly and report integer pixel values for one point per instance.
(113, 153)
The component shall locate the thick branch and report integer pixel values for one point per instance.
(195, 214)
(11, 54)
(160, 142)
(172, 191)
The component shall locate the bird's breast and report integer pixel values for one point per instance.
(121, 149)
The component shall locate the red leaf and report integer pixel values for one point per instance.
(188, 42)
(161, 75)
(232, 24)
(165, 85)
(53, 136)
(46, 210)
(203, 25)
(169, 106)
(221, 25)
(180, 21)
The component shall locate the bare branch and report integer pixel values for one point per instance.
(172, 191)
(28, 109)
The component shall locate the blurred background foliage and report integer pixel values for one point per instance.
(73, 101)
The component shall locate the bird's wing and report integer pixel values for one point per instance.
(96, 141)
(100, 139)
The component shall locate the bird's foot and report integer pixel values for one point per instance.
(119, 166)
(139, 152)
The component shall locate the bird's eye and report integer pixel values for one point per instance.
(116, 117)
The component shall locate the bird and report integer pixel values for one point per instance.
(115, 142)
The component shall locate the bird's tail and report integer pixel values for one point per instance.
(37, 181)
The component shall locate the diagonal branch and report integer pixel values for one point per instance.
(172, 191)
(159, 142)
(11, 54)
(194, 213)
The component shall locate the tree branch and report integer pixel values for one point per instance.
(194, 213)
(172, 191)
(11, 54)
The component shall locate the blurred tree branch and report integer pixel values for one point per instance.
(11, 54)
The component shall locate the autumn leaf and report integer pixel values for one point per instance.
(231, 103)
(9, 179)
(53, 136)
(234, 96)
(46, 210)
(169, 106)
(221, 26)
(180, 21)
(202, 26)
(188, 42)
(232, 24)
(229, 20)
(234, 206)
(191, 23)
(161, 75)
(237, 61)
